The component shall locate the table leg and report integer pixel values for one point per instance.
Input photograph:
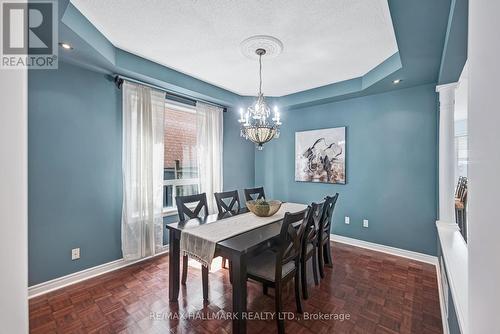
(174, 256)
(239, 270)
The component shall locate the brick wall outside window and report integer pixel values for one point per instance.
(180, 145)
(180, 138)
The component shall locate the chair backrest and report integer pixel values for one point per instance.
(254, 194)
(461, 186)
(457, 188)
(184, 211)
(326, 219)
(314, 217)
(222, 206)
(290, 239)
(463, 196)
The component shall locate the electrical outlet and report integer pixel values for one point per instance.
(75, 253)
(365, 222)
(347, 221)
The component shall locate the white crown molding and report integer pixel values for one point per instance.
(445, 87)
(61, 282)
(385, 249)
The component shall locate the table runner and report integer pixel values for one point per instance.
(199, 242)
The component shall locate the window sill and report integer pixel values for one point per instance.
(172, 211)
(169, 212)
(455, 256)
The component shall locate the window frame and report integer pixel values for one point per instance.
(172, 210)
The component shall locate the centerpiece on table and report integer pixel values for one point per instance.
(263, 208)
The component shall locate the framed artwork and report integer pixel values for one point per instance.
(320, 155)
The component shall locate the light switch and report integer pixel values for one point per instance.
(75, 253)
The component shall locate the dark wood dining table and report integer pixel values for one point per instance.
(236, 249)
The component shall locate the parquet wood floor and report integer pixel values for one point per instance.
(382, 294)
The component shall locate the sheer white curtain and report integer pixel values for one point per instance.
(209, 142)
(142, 165)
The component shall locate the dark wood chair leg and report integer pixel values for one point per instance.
(315, 267)
(321, 261)
(279, 308)
(184, 269)
(303, 272)
(265, 289)
(297, 291)
(204, 279)
(230, 272)
(328, 254)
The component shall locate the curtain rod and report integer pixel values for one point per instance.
(120, 78)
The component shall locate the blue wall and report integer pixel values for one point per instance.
(239, 155)
(75, 168)
(75, 178)
(391, 166)
(74, 171)
(454, 53)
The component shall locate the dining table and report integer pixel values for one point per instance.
(237, 249)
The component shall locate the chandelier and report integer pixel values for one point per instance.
(255, 123)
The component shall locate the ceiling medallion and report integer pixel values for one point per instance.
(272, 45)
(255, 123)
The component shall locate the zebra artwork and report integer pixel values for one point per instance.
(320, 155)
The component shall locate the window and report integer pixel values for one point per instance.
(461, 153)
(180, 167)
(461, 148)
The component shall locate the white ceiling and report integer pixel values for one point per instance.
(325, 41)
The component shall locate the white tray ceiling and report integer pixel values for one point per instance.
(325, 41)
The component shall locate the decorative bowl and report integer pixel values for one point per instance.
(263, 208)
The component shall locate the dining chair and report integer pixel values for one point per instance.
(310, 244)
(275, 269)
(324, 251)
(252, 194)
(457, 188)
(460, 212)
(223, 206)
(184, 211)
(461, 186)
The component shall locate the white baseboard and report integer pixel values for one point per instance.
(403, 253)
(73, 278)
(385, 249)
(60, 282)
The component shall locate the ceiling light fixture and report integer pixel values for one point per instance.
(397, 81)
(66, 46)
(255, 123)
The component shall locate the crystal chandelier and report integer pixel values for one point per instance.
(255, 123)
